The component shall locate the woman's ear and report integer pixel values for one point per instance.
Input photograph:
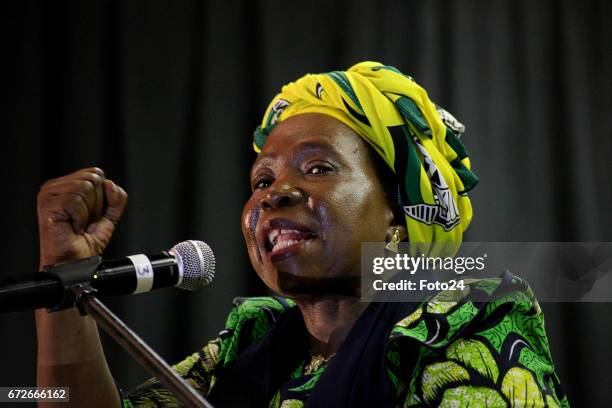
(403, 233)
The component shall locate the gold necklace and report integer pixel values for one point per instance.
(316, 362)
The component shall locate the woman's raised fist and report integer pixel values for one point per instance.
(77, 214)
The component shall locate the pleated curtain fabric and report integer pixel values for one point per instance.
(164, 97)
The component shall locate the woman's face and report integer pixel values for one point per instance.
(316, 198)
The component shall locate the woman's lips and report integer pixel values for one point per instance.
(282, 243)
(287, 250)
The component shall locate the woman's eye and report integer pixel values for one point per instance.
(261, 182)
(319, 169)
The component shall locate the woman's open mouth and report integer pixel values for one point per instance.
(282, 241)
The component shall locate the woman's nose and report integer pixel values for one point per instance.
(281, 197)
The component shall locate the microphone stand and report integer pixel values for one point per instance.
(74, 279)
(136, 347)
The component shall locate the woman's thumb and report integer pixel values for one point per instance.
(116, 199)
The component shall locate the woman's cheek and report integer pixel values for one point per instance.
(250, 218)
(355, 199)
(363, 209)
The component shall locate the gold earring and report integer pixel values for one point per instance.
(395, 239)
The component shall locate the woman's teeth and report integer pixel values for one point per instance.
(284, 244)
(283, 238)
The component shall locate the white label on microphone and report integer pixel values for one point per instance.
(144, 273)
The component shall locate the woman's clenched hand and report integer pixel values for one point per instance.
(77, 215)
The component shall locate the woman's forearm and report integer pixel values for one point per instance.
(70, 355)
(77, 214)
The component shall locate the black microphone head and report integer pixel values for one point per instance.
(196, 264)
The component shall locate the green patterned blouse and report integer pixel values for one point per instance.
(489, 354)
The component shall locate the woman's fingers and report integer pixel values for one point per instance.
(116, 199)
(77, 214)
(84, 187)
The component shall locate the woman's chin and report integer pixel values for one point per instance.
(299, 270)
(294, 285)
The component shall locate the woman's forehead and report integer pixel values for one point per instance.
(311, 132)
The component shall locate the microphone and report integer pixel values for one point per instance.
(188, 265)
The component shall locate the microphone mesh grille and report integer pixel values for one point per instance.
(198, 263)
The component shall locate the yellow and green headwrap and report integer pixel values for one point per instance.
(418, 140)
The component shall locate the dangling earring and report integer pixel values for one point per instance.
(395, 239)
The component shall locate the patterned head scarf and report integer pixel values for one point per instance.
(418, 140)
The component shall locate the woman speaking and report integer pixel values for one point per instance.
(345, 157)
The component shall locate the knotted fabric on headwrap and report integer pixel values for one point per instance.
(418, 140)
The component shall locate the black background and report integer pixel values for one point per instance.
(164, 96)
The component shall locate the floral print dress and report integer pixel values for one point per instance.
(449, 352)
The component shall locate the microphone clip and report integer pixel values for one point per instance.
(75, 278)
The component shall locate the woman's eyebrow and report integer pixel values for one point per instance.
(303, 149)
(305, 146)
(308, 146)
(327, 150)
(261, 160)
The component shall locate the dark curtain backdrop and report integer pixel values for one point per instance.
(164, 96)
